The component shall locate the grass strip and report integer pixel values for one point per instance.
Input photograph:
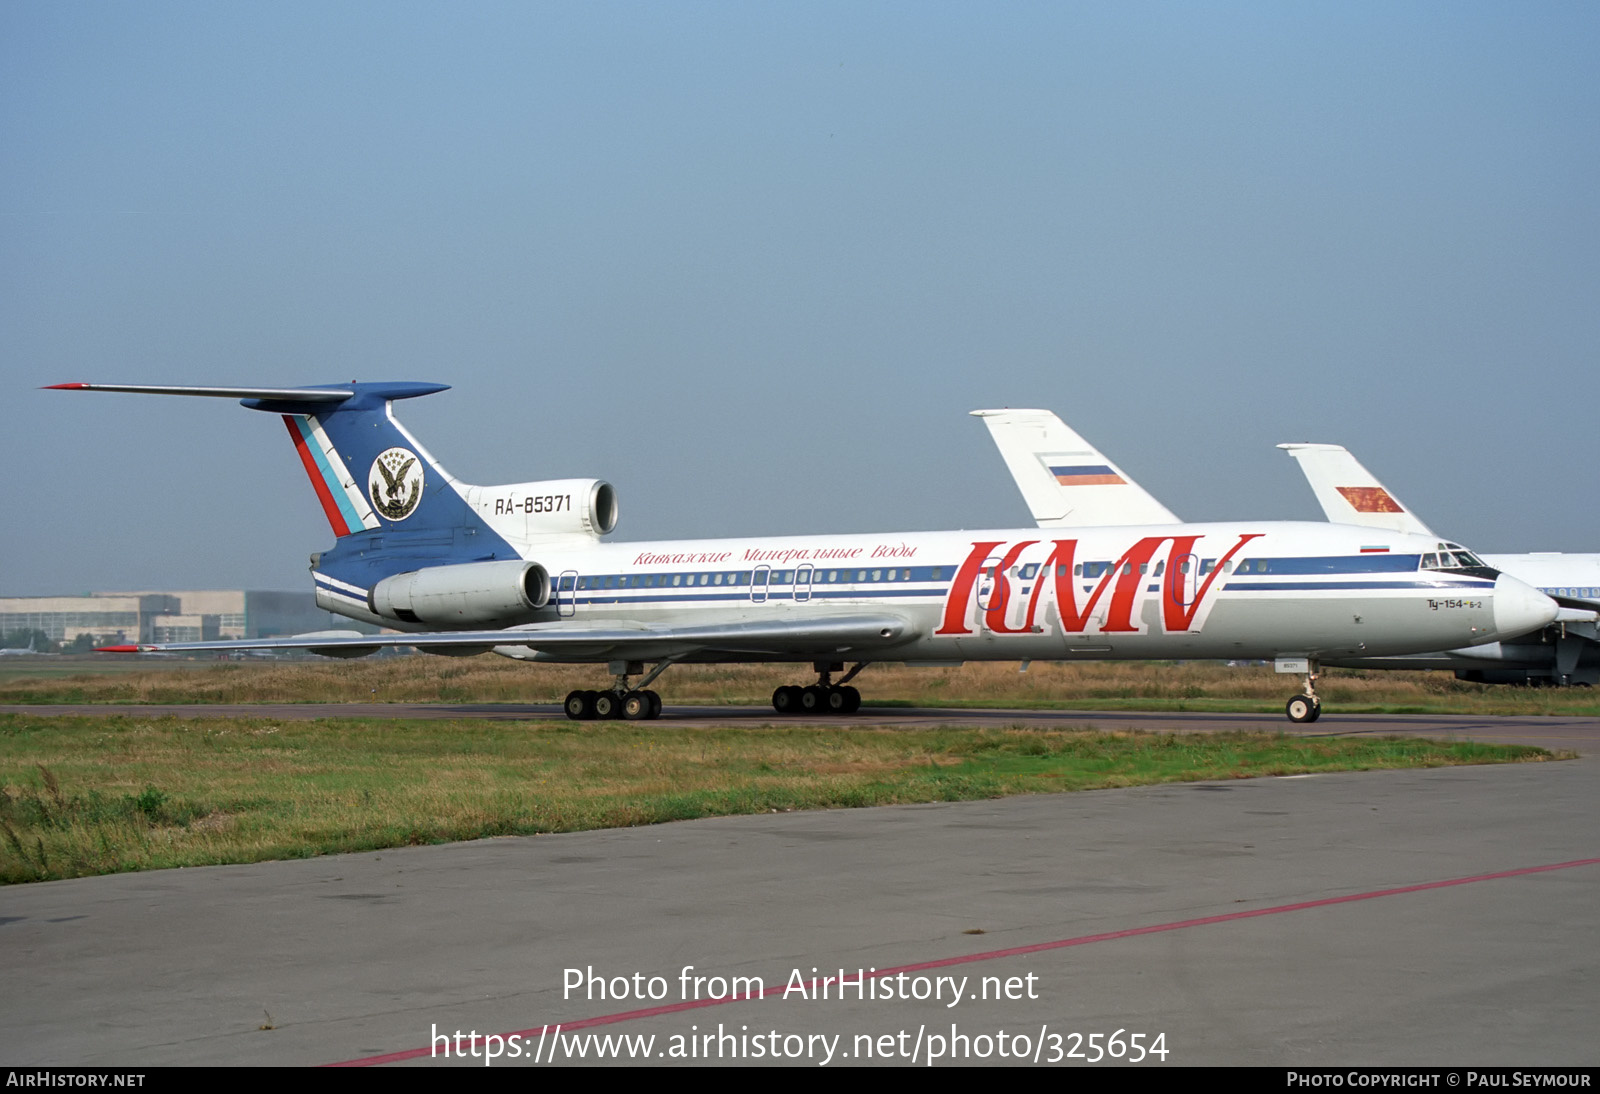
(82, 796)
(1192, 685)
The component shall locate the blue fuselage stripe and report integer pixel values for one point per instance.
(1285, 586)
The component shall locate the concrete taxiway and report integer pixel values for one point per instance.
(1442, 916)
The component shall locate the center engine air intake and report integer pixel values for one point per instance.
(552, 507)
(470, 594)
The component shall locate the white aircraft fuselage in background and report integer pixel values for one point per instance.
(522, 570)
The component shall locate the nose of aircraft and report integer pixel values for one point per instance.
(1519, 607)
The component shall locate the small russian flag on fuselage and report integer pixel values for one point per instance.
(1086, 475)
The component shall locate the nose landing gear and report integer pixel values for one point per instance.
(1305, 707)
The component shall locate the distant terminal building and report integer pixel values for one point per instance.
(200, 615)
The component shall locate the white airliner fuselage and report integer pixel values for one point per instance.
(522, 570)
(1262, 590)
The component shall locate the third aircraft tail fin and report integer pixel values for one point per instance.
(1348, 492)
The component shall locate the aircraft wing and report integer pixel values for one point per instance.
(812, 635)
(1065, 480)
(1348, 492)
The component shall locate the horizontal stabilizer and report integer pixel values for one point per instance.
(318, 399)
(367, 472)
(275, 394)
(1065, 481)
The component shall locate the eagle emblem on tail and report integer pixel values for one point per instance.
(395, 483)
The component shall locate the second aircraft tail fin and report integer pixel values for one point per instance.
(1065, 480)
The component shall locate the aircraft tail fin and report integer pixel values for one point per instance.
(368, 472)
(1065, 481)
(1348, 492)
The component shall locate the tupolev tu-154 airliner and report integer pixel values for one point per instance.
(523, 570)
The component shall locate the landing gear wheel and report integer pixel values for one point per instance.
(655, 705)
(1303, 708)
(786, 700)
(814, 699)
(580, 705)
(635, 706)
(607, 704)
(852, 700)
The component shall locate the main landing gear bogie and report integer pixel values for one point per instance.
(622, 701)
(823, 697)
(816, 699)
(631, 706)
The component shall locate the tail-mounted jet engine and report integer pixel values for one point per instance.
(527, 510)
(471, 594)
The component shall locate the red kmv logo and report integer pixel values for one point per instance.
(992, 573)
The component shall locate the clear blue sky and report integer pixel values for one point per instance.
(753, 263)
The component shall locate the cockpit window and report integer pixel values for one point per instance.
(1457, 558)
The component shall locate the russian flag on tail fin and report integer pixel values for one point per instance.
(1093, 474)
